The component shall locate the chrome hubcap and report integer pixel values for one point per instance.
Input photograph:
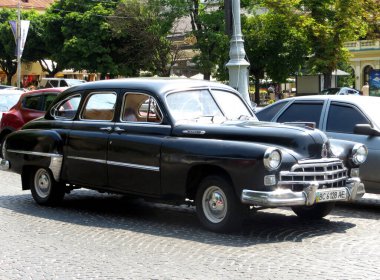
(214, 204)
(42, 183)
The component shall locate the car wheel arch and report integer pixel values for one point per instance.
(197, 173)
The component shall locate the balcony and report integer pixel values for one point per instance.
(363, 45)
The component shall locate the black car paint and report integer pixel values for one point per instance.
(232, 149)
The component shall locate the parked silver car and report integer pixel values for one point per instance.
(340, 91)
(354, 118)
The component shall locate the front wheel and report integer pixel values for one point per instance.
(316, 211)
(45, 190)
(218, 208)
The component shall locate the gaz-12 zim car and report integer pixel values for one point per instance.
(181, 140)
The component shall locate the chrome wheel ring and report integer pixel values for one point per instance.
(214, 204)
(42, 183)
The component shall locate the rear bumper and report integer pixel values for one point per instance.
(4, 165)
(354, 189)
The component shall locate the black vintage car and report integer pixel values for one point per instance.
(181, 140)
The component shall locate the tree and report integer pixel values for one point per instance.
(140, 31)
(331, 23)
(7, 44)
(82, 34)
(208, 27)
(372, 18)
(44, 41)
(275, 42)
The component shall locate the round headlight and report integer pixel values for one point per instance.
(359, 154)
(272, 159)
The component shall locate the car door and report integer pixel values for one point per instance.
(88, 140)
(134, 154)
(340, 123)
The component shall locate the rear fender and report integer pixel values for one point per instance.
(35, 148)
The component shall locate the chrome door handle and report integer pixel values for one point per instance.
(108, 128)
(118, 129)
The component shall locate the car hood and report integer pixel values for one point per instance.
(301, 142)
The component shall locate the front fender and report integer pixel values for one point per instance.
(343, 150)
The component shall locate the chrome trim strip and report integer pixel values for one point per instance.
(322, 182)
(116, 163)
(315, 173)
(88, 159)
(137, 166)
(34, 153)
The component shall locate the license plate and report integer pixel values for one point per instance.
(331, 195)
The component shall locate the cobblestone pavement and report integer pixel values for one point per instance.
(99, 236)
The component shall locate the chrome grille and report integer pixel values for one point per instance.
(328, 172)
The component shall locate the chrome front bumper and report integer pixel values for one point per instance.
(286, 197)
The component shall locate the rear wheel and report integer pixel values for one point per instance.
(316, 211)
(218, 208)
(45, 190)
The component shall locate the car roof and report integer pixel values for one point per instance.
(11, 91)
(157, 85)
(357, 99)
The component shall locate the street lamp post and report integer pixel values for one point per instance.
(237, 65)
(18, 44)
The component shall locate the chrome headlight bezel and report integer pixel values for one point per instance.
(359, 154)
(272, 158)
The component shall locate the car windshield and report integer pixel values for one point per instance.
(208, 107)
(330, 91)
(8, 100)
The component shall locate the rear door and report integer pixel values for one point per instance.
(134, 155)
(88, 140)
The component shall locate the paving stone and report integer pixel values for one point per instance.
(100, 236)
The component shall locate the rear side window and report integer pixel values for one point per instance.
(343, 119)
(33, 102)
(269, 112)
(302, 112)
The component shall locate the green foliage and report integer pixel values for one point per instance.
(208, 28)
(140, 32)
(330, 24)
(275, 42)
(7, 44)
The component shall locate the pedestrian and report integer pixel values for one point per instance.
(365, 89)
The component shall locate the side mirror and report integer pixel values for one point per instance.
(366, 129)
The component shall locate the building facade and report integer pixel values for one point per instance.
(365, 57)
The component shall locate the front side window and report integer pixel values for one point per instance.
(67, 108)
(33, 102)
(343, 118)
(268, 113)
(302, 112)
(99, 107)
(139, 107)
(206, 106)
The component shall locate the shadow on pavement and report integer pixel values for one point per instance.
(88, 208)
